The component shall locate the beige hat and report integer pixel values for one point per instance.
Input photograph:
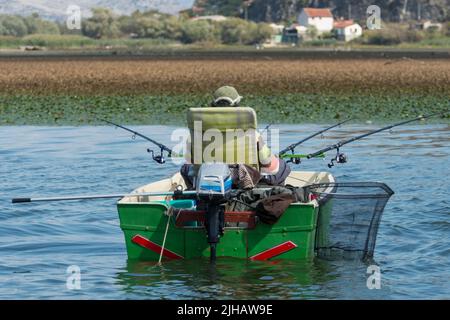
(228, 94)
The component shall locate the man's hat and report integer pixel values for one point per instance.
(228, 94)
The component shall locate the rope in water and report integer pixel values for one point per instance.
(169, 213)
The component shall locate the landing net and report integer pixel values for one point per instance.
(349, 217)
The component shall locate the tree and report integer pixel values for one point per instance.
(127, 25)
(151, 24)
(172, 28)
(312, 32)
(102, 24)
(264, 32)
(36, 25)
(12, 26)
(2, 30)
(198, 31)
(149, 27)
(232, 31)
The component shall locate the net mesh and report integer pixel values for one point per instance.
(349, 217)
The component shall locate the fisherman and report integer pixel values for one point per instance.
(271, 169)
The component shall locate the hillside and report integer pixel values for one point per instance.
(285, 10)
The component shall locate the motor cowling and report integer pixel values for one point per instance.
(213, 186)
(213, 183)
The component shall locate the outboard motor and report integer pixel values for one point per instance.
(213, 185)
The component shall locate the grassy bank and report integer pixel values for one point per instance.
(165, 109)
(78, 42)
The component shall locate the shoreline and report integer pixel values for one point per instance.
(232, 54)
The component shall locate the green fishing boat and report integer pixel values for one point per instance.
(152, 229)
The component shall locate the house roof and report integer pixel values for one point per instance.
(314, 12)
(343, 24)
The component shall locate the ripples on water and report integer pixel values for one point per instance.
(39, 241)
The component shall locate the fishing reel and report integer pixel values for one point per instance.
(339, 158)
(158, 158)
(294, 160)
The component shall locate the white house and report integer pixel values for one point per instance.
(322, 19)
(347, 30)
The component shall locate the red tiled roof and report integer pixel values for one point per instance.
(313, 12)
(342, 24)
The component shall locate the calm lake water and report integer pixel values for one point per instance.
(38, 242)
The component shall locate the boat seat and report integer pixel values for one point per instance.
(223, 134)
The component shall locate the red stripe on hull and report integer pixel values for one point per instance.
(145, 243)
(275, 251)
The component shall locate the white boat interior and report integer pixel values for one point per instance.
(296, 178)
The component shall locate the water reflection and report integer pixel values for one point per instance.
(229, 278)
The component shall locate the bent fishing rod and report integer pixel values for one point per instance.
(295, 158)
(158, 158)
(342, 158)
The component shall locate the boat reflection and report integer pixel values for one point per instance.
(229, 278)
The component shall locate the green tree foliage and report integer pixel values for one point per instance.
(3, 30)
(12, 26)
(150, 24)
(173, 28)
(232, 31)
(312, 32)
(238, 31)
(37, 25)
(102, 24)
(199, 31)
(149, 27)
(392, 36)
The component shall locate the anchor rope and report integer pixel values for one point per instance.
(169, 213)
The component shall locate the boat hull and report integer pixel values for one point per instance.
(144, 220)
(144, 226)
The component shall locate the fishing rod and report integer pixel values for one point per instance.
(342, 158)
(295, 158)
(158, 158)
(267, 127)
(103, 196)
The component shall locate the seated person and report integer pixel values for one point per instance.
(270, 169)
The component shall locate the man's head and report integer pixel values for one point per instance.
(226, 96)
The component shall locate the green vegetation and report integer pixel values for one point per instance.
(394, 34)
(67, 41)
(105, 25)
(170, 109)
